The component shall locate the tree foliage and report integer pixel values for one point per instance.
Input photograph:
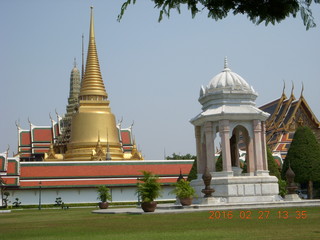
(193, 172)
(181, 157)
(183, 189)
(258, 11)
(272, 165)
(274, 171)
(303, 156)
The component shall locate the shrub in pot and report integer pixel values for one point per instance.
(148, 188)
(184, 191)
(103, 195)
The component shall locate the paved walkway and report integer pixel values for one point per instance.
(171, 208)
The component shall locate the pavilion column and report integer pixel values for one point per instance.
(200, 163)
(264, 146)
(225, 143)
(237, 162)
(257, 145)
(210, 160)
(203, 157)
(250, 156)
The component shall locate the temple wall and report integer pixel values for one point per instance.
(79, 195)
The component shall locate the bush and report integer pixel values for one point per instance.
(183, 189)
(149, 187)
(104, 193)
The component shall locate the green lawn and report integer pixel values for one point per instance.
(82, 224)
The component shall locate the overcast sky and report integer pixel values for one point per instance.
(152, 71)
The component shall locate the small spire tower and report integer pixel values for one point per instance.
(93, 114)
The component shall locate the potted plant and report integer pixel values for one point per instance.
(184, 191)
(103, 195)
(148, 189)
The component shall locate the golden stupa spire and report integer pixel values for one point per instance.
(92, 85)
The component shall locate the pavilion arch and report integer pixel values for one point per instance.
(240, 137)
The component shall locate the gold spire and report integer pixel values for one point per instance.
(92, 84)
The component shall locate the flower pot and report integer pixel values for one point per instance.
(103, 205)
(149, 206)
(186, 201)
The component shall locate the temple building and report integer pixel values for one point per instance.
(81, 150)
(88, 131)
(286, 115)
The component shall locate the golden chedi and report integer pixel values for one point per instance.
(93, 123)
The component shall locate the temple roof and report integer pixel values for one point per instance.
(286, 114)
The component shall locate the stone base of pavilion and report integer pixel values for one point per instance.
(239, 189)
(292, 197)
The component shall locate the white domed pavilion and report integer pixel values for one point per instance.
(228, 108)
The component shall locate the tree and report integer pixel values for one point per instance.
(258, 11)
(181, 157)
(2, 190)
(193, 172)
(272, 165)
(304, 158)
(274, 171)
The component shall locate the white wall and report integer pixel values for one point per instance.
(79, 195)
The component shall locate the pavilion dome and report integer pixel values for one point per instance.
(227, 80)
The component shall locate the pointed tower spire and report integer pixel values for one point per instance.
(82, 64)
(92, 84)
(93, 113)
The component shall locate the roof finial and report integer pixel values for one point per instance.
(225, 62)
(302, 89)
(284, 86)
(292, 88)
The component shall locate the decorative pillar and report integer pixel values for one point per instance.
(257, 145)
(210, 161)
(197, 131)
(264, 146)
(203, 156)
(250, 156)
(237, 149)
(225, 143)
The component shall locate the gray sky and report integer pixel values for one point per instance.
(152, 71)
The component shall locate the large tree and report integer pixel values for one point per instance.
(304, 158)
(258, 11)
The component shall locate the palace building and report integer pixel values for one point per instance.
(286, 115)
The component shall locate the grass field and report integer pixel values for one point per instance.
(80, 223)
